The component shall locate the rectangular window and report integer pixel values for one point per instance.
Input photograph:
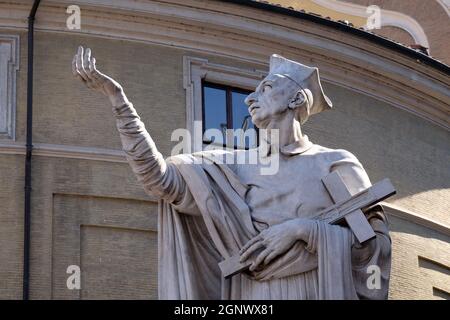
(9, 64)
(224, 108)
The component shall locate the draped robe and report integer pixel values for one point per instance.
(209, 210)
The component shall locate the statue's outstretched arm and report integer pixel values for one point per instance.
(148, 164)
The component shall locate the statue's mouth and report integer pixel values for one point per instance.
(252, 107)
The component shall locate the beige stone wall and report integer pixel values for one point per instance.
(11, 225)
(94, 213)
(11, 201)
(420, 262)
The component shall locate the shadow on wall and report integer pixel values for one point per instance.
(399, 225)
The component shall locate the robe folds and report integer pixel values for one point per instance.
(332, 265)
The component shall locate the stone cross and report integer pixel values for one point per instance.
(356, 220)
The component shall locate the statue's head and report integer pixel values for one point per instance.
(289, 87)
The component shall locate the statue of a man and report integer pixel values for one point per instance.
(210, 210)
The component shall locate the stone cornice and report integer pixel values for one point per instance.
(396, 211)
(252, 35)
(65, 151)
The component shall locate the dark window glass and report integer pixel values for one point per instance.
(224, 108)
(215, 113)
(242, 120)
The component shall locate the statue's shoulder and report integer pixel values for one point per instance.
(334, 155)
(216, 155)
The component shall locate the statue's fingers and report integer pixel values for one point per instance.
(94, 64)
(91, 65)
(247, 253)
(93, 68)
(74, 66)
(79, 59)
(87, 55)
(80, 66)
(75, 70)
(271, 256)
(87, 62)
(250, 243)
(260, 258)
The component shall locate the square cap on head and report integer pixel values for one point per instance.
(307, 78)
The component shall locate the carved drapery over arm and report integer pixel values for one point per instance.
(157, 177)
(373, 258)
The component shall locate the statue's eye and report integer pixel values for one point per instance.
(266, 86)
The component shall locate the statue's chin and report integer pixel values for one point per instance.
(260, 124)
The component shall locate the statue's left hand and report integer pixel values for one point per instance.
(276, 239)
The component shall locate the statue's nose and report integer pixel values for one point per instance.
(250, 99)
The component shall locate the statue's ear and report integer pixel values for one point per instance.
(302, 98)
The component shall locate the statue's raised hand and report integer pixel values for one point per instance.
(83, 68)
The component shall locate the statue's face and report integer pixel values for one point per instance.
(270, 99)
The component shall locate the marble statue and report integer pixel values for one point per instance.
(210, 211)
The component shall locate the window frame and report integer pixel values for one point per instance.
(9, 59)
(229, 90)
(196, 70)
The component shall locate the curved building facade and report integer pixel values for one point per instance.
(391, 109)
